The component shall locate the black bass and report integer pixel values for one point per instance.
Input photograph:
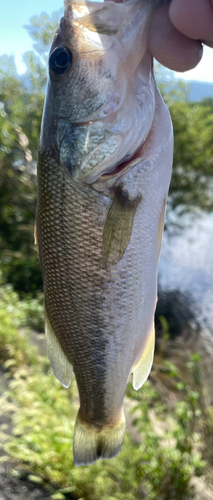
(104, 170)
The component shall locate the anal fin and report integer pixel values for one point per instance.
(142, 369)
(61, 366)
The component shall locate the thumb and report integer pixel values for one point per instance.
(193, 18)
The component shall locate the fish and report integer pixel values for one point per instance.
(104, 168)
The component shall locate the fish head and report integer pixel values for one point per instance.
(100, 99)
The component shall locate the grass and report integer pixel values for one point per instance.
(43, 413)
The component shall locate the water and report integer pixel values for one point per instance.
(186, 264)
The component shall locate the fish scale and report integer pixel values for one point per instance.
(65, 284)
(73, 294)
(58, 277)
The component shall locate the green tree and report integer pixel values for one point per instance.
(19, 262)
(192, 178)
(21, 103)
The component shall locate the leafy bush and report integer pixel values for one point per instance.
(33, 308)
(42, 441)
(14, 345)
(160, 466)
(26, 312)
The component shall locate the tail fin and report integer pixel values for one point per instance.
(90, 443)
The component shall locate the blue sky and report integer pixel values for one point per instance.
(14, 39)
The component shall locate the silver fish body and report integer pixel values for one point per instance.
(103, 176)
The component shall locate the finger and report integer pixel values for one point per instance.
(193, 18)
(170, 47)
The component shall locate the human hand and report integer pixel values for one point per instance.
(176, 32)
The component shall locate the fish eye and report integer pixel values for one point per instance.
(60, 60)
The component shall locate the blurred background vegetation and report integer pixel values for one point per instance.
(169, 441)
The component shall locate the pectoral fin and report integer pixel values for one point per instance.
(61, 366)
(118, 227)
(142, 370)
